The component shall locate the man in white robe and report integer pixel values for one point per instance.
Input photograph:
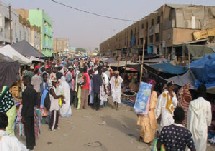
(104, 89)
(165, 108)
(64, 87)
(116, 83)
(8, 143)
(199, 117)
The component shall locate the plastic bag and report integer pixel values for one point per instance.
(154, 145)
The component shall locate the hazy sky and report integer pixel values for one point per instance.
(89, 31)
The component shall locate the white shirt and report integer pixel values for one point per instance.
(36, 80)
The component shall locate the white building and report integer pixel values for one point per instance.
(20, 30)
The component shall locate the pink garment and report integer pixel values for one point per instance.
(73, 85)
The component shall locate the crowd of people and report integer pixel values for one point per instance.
(175, 119)
(50, 89)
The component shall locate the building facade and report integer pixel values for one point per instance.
(5, 37)
(20, 27)
(60, 45)
(33, 32)
(161, 32)
(38, 17)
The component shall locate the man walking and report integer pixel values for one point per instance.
(36, 81)
(175, 136)
(29, 101)
(116, 82)
(85, 88)
(199, 118)
(97, 83)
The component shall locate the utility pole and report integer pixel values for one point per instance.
(11, 37)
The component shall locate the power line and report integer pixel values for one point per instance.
(92, 13)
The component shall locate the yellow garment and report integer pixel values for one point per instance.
(11, 120)
(116, 82)
(169, 105)
(148, 122)
(79, 98)
(60, 101)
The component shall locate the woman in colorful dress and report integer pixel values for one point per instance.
(148, 122)
(184, 98)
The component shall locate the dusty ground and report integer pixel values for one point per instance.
(89, 130)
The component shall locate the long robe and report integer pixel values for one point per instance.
(198, 119)
(66, 110)
(10, 143)
(148, 122)
(104, 89)
(166, 115)
(116, 88)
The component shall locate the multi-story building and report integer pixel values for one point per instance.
(60, 45)
(38, 17)
(5, 30)
(162, 32)
(20, 27)
(34, 32)
(35, 37)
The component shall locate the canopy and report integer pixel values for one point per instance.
(197, 51)
(8, 73)
(188, 77)
(204, 70)
(169, 68)
(13, 54)
(4, 58)
(26, 49)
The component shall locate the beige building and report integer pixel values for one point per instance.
(35, 37)
(162, 32)
(60, 45)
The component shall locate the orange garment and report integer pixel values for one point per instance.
(148, 122)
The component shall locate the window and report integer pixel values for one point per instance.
(158, 19)
(141, 41)
(142, 26)
(151, 39)
(152, 22)
(171, 13)
(157, 37)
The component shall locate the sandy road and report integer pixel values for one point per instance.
(89, 130)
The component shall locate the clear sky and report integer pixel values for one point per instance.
(89, 31)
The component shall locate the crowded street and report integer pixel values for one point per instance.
(76, 76)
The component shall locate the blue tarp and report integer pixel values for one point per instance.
(169, 68)
(204, 70)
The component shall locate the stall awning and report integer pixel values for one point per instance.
(14, 55)
(169, 68)
(197, 51)
(26, 49)
(188, 77)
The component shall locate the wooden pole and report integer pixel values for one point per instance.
(142, 61)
